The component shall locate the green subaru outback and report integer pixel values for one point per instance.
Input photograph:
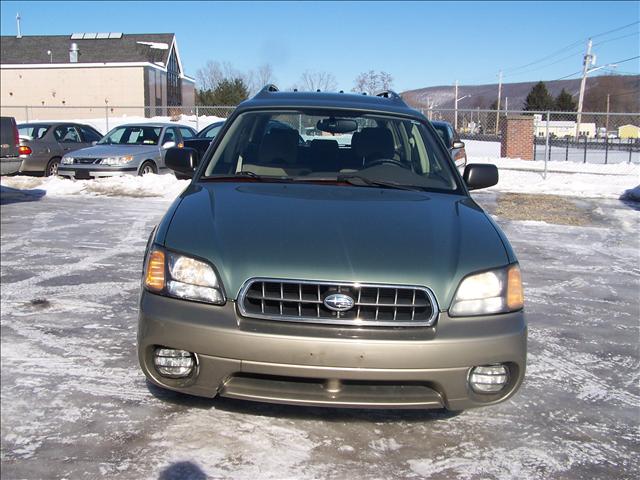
(327, 253)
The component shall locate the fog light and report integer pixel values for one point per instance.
(488, 378)
(173, 363)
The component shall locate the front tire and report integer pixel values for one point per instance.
(52, 167)
(147, 167)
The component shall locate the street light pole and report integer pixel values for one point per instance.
(455, 102)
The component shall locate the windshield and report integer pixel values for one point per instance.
(33, 131)
(132, 135)
(322, 145)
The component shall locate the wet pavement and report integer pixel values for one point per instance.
(74, 403)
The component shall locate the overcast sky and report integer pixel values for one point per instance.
(420, 44)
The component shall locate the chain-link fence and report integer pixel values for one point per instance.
(590, 137)
(106, 117)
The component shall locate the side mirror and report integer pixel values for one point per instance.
(480, 175)
(457, 144)
(168, 145)
(182, 160)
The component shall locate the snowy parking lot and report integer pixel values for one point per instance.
(76, 405)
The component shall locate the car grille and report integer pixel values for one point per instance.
(303, 301)
(86, 161)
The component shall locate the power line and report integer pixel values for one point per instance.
(564, 49)
(580, 71)
(616, 29)
(546, 65)
(617, 38)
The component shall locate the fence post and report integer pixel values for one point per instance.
(585, 149)
(630, 148)
(566, 153)
(106, 116)
(197, 127)
(535, 147)
(26, 113)
(606, 149)
(547, 149)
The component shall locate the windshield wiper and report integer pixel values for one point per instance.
(248, 174)
(361, 181)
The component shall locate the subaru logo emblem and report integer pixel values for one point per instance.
(339, 302)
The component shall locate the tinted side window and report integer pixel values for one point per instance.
(169, 136)
(66, 134)
(186, 133)
(212, 132)
(88, 134)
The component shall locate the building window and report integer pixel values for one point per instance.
(174, 87)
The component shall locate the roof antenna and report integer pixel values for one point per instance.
(19, 35)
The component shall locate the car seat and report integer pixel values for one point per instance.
(372, 144)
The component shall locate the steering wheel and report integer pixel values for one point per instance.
(388, 161)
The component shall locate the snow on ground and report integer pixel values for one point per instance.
(563, 178)
(520, 176)
(166, 186)
(75, 403)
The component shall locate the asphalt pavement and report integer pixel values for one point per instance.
(74, 403)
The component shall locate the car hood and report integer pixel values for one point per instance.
(335, 233)
(101, 151)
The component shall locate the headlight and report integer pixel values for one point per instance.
(182, 277)
(67, 161)
(495, 291)
(115, 161)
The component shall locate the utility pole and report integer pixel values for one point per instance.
(506, 104)
(585, 71)
(455, 96)
(19, 35)
(606, 124)
(589, 60)
(499, 95)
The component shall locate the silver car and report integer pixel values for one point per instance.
(43, 144)
(134, 149)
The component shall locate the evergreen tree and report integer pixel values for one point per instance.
(230, 92)
(565, 102)
(227, 92)
(539, 98)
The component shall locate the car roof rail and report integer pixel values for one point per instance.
(390, 94)
(266, 90)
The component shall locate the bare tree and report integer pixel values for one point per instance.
(311, 81)
(256, 79)
(372, 82)
(210, 76)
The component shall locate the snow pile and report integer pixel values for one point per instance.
(164, 186)
(563, 178)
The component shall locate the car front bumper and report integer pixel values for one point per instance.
(289, 363)
(91, 171)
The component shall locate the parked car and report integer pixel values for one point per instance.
(9, 145)
(127, 149)
(357, 274)
(211, 130)
(452, 140)
(43, 144)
